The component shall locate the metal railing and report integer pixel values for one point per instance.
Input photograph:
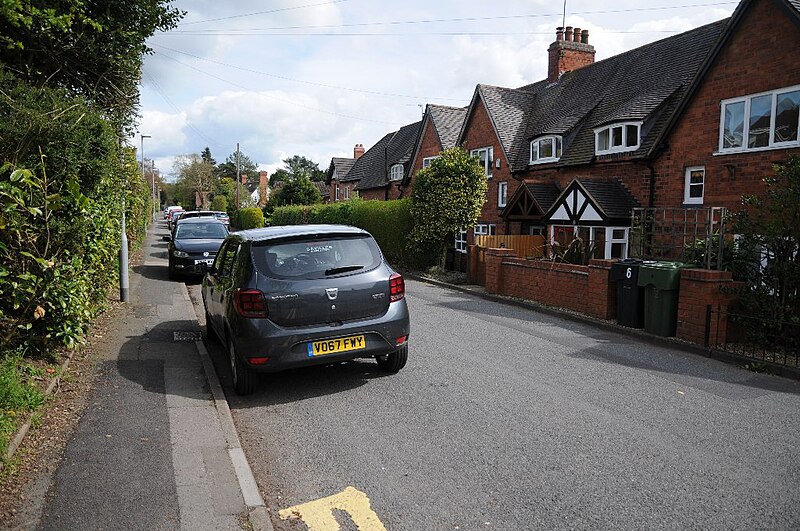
(753, 338)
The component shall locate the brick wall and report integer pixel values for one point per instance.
(700, 288)
(584, 289)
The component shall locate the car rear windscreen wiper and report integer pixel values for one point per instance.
(342, 269)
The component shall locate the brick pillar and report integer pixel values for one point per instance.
(494, 268)
(699, 289)
(601, 294)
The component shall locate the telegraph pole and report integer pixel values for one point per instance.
(238, 177)
(154, 177)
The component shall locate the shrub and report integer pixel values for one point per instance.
(250, 218)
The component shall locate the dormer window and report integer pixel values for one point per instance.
(396, 172)
(545, 149)
(617, 138)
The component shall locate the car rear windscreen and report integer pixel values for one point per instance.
(318, 257)
(200, 231)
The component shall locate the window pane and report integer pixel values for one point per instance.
(602, 140)
(618, 250)
(534, 150)
(616, 136)
(618, 234)
(760, 110)
(631, 135)
(786, 116)
(558, 147)
(733, 131)
(546, 148)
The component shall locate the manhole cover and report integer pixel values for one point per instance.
(187, 336)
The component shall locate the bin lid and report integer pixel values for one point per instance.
(620, 268)
(662, 275)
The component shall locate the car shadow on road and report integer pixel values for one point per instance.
(620, 348)
(296, 384)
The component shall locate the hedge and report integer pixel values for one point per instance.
(388, 221)
(62, 185)
(249, 218)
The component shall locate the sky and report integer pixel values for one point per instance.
(316, 77)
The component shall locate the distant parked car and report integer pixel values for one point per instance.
(223, 217)
(173, 217)
(196, 214)
(170, 209)
(285, 297)
(193, 245)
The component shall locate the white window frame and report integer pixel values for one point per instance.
(347, 192)
(687, 185)
(623, 147)
(502, 194)
(747, 101)
(427, 161)
(396, 172)
(337, 193)
(609, 240)
(487, 153)
(537, 142)
(485, 229)
(461, 241)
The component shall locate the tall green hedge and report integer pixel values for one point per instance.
(62, 184)
(388, 221)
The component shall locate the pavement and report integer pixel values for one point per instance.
(156, 448)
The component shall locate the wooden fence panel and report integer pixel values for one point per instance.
(526, 246)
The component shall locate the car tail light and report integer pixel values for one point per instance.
(397, 288)
(258, 361)
(400, 340)
(250, 303)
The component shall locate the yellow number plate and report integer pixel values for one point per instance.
(334, 346)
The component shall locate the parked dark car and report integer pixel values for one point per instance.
(193, 245)
(173, 217)
(286, 297)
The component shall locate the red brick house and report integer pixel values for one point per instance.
(440, 128)
(339, 187)
(380, 172)
(691, 121)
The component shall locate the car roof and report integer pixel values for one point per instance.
(283, 231)
(203, 220)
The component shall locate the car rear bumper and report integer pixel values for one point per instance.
(288, 348)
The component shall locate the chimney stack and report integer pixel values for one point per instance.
(358, 151)
(570, 51)
(262, 189)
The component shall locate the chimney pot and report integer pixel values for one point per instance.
(560, 33)
(568, 34)
(585, 37)
(577, 35)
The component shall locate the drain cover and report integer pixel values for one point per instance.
(187, 336)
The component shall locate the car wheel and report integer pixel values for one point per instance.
(211, 335)
(395, 361)
(171, 270)
(244, 379)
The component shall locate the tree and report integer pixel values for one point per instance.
(280, 175)
(246, 167)
(195, 176)
(447, 197)
(92, 49)
(299, 165)
(768, 251)
(206, 156)
(295, 191)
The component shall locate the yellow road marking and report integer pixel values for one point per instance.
(318, 514)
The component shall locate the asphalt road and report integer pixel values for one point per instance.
(509, 419)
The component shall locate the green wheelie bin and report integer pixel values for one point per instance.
(661, 282)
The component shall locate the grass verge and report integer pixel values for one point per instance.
(20, 395)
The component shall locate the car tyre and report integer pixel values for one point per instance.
(244, 379)
(395, 361)
(171, 271)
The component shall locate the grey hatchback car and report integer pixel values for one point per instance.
(293, 296)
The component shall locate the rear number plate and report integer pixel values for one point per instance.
(334, 346)
(207, 261)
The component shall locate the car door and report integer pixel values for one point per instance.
(220, 281)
